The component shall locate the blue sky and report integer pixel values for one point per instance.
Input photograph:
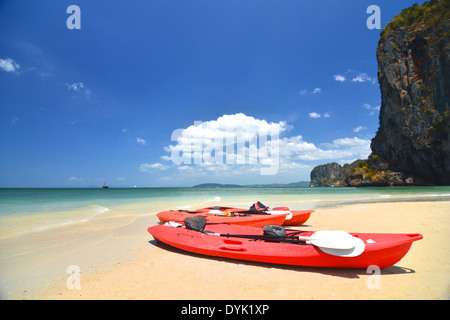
(81, 106)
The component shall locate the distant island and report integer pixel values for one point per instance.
(270, 185)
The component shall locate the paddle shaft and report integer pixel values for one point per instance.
(326, 242)
(263, 237)
(289, 239)
(238, 212)
(339, 250)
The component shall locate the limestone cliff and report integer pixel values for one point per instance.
(330, 174)
(414, 75)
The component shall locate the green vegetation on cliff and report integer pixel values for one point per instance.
(430, 11)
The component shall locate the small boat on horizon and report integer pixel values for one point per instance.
(105, 186)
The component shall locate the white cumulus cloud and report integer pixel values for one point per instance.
(9, 65)
(358, 129)
(373, 110)
(79, 87)
(314, 115)
(339, 78)
(141, 141)
(203, 148)
(363, 77)
(355, 76)
(75, 86)
(314, 91)
(76, 179)
(144, 167)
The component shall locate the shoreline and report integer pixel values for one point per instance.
(119, 259)
(19, 219)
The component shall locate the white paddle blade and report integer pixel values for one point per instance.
(288, 213)
(331, 239)
(354, 252)
(173, 224)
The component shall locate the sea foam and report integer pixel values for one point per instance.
(55, 223)
(215, 199)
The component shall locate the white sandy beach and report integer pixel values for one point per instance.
(122, 261)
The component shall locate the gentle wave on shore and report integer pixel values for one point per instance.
(29, 210)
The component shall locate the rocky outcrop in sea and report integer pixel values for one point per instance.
(360, 173)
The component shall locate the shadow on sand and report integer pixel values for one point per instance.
(343, 273)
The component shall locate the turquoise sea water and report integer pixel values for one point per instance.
(27, 210)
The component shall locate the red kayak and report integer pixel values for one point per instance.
(250, 243)
(293, 217)
(243, 219)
